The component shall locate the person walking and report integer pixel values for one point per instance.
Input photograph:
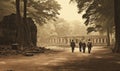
(84, 46)
(80, 46)
(89, 45)
(72, 44)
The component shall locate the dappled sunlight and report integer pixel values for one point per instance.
(118, 62)
(99, 57)
(59, 35)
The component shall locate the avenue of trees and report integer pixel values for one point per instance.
(102, 16)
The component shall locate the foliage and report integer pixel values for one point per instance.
(44, 10)
(98, 12)
(40, 10)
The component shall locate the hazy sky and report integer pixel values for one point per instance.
(69, 11)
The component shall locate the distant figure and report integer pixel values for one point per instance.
(72, 44)
(80, 46)
(89, 45)
(84, 46)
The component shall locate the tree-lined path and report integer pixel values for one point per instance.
(101, 59)
(26, 24)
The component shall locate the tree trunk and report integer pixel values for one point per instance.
(117, 25)
(25, 9)
(27, 26)
(18, 18)
(19, 34)
(18, 9)
(108, 36)
(23, 35)
(19, 24)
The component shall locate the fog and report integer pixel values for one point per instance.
(69, 22)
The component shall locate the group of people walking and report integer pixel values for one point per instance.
(82, 46)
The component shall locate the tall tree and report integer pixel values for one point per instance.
(18, 9)
(25, 9)
(117, 25)
(18, 21)
(27, 25)
(100, 10)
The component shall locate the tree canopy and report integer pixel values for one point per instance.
(40, 10)
(97, 13)
(43, 10)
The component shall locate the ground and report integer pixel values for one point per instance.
(101, 59)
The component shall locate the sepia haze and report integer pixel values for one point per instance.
(72, 23)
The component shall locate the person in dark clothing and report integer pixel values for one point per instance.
(72, 44)
(89, 45)
(84, 46)
(80, 46)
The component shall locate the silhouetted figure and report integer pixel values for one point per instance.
(80, 46)
(89, 45)
(84, 46)
(72, 44)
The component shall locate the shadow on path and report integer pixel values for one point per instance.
(101, 59)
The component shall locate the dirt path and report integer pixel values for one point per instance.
(101, 59)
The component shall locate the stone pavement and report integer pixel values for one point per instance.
(101, 59)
